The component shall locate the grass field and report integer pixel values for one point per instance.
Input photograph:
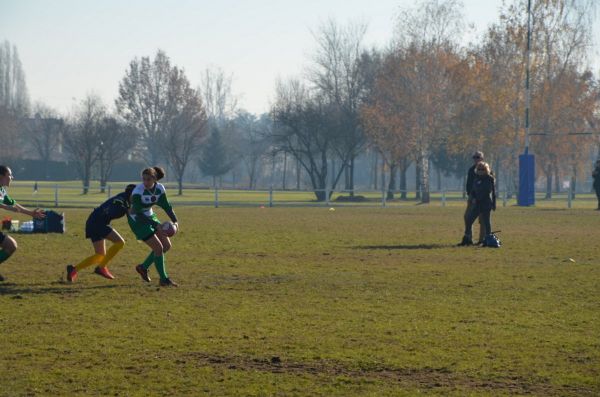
(307, 301)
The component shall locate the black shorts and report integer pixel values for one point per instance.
(96, 230)
(2, 237)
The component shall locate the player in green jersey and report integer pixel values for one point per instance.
(8, 244)
(146, 226)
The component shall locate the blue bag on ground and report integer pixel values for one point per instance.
(52, 223)
(492, 241)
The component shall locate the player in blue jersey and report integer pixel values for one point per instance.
(98, 229)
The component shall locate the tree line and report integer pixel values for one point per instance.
(426, 99)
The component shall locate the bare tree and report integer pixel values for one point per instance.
(82, 139)
(9, 134)
(186, 124)
(217, 95)
(306, 126)
(338, 76)
(13, 89)
(43, 132)
(116, 140)
(425, 42)
(144, 101)
(253, 136)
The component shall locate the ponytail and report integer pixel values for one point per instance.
(160, 173)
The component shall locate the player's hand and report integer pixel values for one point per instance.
(38, 213)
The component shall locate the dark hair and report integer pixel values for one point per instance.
(4, 169)
(156, 172)
(129, 190)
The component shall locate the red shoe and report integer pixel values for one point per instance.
(71, 273)
(104, 272)
(143, 273)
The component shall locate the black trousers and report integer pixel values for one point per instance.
(485, 218)
(469, 224)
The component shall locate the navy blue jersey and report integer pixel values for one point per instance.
(113, 208)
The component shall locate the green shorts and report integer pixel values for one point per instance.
(143, 231)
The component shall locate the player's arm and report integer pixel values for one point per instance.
(163, 202)
(10, 205)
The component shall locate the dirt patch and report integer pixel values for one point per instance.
(423, 378)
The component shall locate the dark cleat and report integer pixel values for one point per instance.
(168, 283)
(143, 273)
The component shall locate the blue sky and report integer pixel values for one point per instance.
(73, 47)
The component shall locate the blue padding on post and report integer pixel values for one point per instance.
(526, 180)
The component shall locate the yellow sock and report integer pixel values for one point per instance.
(112, 251)
(89, 261)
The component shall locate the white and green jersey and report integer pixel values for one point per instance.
(143, 199)
(5, 198)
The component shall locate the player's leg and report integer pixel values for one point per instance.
(166, 243)
(157, 252)
(100, 251)
(158, 248)
(9, 246)
(118, 244)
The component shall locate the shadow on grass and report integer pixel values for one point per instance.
(404, 247)
(43, 289)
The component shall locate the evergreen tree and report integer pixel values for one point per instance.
(215, 160)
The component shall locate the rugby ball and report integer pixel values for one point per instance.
(169, 228)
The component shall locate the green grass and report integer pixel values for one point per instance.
(307, 301)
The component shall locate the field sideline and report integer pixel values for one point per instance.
(70, 195)
(307, 301)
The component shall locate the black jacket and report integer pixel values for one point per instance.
(484, 193)
(596, 176)
(470, 179)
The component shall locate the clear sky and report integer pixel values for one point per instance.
(73, 47)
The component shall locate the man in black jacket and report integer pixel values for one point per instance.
(467, 240)
(596, 176)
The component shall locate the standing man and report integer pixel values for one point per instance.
(467, 239)
(596, 176)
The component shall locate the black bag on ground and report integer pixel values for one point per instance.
(52, 223)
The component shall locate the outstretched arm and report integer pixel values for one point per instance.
(18, 208)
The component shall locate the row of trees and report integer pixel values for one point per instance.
(424, 100)
(428, 100)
